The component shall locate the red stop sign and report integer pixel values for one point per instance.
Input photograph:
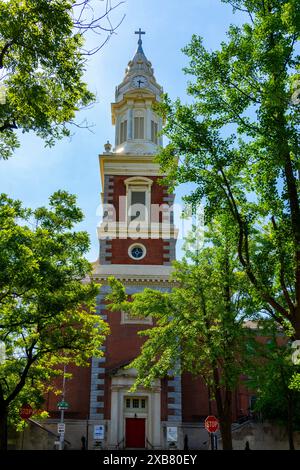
(26, 412)
(211, 424)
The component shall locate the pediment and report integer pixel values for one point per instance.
(122, 372)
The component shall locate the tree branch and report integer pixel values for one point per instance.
(243, 246)
(8, 126)
(295, 219)
(244, 10)
(20, 385)
(252, 127)
(282, 275)
(4, 51)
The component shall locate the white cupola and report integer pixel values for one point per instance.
(136, 123)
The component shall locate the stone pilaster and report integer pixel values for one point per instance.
(98, 372)
(174, 400)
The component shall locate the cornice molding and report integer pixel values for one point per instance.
(128, 164)
(132, 274)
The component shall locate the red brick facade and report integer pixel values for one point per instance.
(158, 192)
(77, 393)
(155, 251)
(123, 344)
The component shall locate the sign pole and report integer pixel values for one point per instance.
(216, 442)
(212, 441)
(210, 413)
(87, 433)
(62, 413)
(23, 432)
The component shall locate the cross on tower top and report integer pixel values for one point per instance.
(140, 32)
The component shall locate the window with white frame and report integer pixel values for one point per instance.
(139, 127)
(126, 319)
(137, 251)
(123, 131)
(135, 403)
(138, 204)
(154, 130)
(138, 199)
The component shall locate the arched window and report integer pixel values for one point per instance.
(139, 125)
(123, 131)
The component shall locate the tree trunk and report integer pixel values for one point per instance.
(225, 429)
(296, 323)
(224, 406)
(3, 428)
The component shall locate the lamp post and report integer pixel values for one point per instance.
(62, 412)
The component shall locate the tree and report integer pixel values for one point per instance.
(239, 143)
(270, 370)
(198, 325)
(46, 311)
(42, 62)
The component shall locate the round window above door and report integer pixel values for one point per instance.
(137, 251)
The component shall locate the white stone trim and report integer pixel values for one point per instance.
(153, 230)
(138, 245)
(143, 185)
(139, 169)
(158, 272)
(121, 383)
(126, 319)
(130, 163)
(142, 180)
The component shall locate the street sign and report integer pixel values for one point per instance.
(211, 424)
(61, 428)
(99, 432)
(172, 434)
(26, 412)
(63, 405)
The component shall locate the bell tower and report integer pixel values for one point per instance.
(136, 123)
(137, 240)
(137, 227)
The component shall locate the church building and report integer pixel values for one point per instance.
(137, 245)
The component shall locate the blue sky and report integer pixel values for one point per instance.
(35, 172)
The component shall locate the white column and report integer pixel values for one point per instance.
(155, 417)
(114, 419)
(129, 123)
(117, 127)
(121, 430)
(148, 121)
(160, 125)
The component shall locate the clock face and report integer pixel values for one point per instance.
(139, 81)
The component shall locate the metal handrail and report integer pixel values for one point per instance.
(149, 443)
(119, 443)
(32, 421)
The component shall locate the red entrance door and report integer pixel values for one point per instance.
(135, 433)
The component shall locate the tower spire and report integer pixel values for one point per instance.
(140, 42)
